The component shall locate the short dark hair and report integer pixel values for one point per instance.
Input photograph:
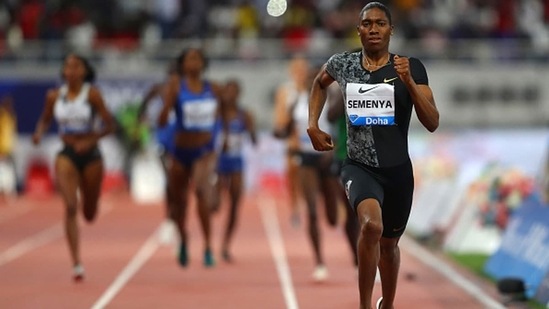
(90, 70)
(179, 60)
(377, 5)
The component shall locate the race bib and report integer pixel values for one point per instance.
(74, 126)
(370, 104)
(235, 142)
(199, 114)
(73, 117)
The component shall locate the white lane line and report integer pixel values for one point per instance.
(139, 259)
(37, 240)
(440, 266)
(276, 243)
(31, 243)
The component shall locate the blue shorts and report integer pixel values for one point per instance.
(230, 164)
(187, 156)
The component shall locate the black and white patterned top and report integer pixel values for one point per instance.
(376, 145)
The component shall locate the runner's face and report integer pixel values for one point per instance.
(299, 69)
(73, 70)
(231, 93)
(375, 30)
(193, 62)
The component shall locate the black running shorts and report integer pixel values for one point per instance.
(392, 186)
(81, 160)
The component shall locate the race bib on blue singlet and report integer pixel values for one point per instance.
(370, 104)
(235, 142)
(199, 114)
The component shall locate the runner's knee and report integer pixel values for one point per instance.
(90, 210)
(71, 211)
(371, 230)
(312, 215)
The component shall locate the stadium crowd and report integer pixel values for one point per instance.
(128, 24)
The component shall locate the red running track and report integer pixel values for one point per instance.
(127, 266)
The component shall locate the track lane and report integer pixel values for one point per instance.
(250, 282)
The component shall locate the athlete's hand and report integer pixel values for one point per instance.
(402, 68)
(225, 146)
(321, 140)
(36, 138)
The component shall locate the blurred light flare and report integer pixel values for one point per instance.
(276, 8)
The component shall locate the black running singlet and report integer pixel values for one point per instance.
(378, 108)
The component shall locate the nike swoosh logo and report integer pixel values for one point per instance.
(387, 80)
(361, 91)
(398, 229)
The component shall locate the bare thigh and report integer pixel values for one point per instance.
(67, 178)
(310, 186)
(236, 183)
(178, 183)
(90, 181)
(204, 173)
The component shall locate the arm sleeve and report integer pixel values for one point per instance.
(418, 72)
(332, 66)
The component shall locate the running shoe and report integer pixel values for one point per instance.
(226, 256)
(320, 273)
(208, 258)
(378, 303)
(78, 273)
(183, 255)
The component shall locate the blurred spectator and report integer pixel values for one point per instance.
(506, 26)
(193, 20)
(81, 31)
(133, 134)
(299, 23)
(247, 23)
(546, 11)
(8, 131)
(534, 21)
(10, 34)
(29, 17)
(5, 18)
(8, 126)
(124, 22)
(104, 15)
(247, 29)
(166, 14)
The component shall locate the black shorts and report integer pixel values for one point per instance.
(336, 166)
(81, 160)
(318, 161)
(392, 187)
